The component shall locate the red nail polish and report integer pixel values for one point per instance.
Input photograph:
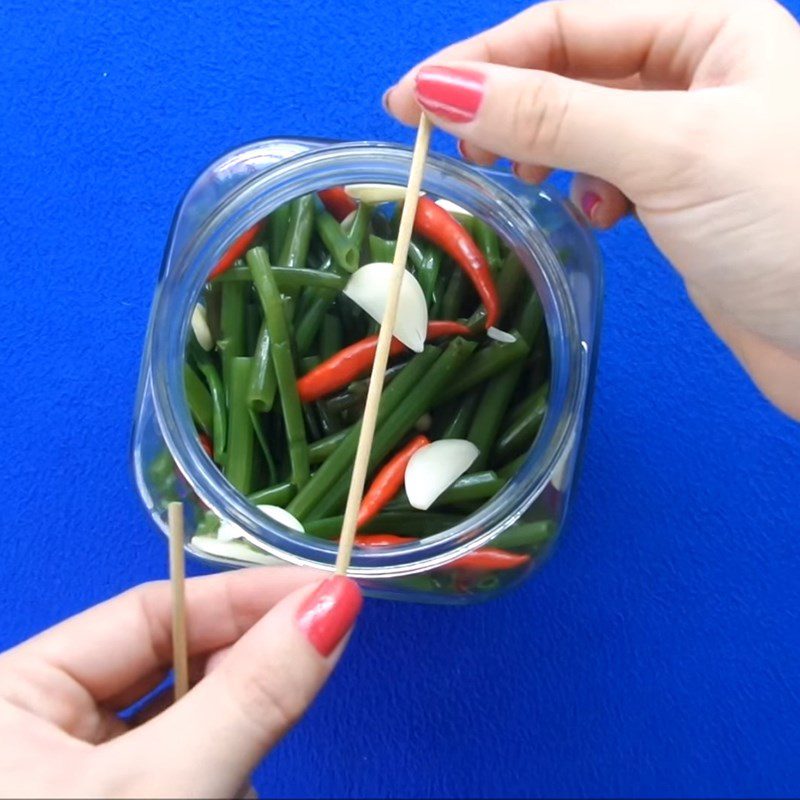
(329, 612)
(450, 93)
(589, 203)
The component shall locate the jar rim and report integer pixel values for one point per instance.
(309, 171)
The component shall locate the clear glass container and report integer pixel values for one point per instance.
(560, 255)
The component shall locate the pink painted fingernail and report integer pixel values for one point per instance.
(589, 203)
(450, 93)
(329, 612)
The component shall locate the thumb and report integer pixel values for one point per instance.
(208, 743)
(536, 117)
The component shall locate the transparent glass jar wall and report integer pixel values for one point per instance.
(526, 516)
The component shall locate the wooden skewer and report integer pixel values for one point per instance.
(177, 577)
(376, 380)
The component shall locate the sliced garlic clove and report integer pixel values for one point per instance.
(500, 336)
(201, 330)
(434, 468)
(283, 516)
(236, 551)
(375, 193)
(453, 208)
(230, 531)
(369, 289)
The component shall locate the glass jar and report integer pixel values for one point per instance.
(526, 516)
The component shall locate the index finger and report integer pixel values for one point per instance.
(111, 646)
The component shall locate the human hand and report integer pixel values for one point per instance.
(684, 109)
(262, 642)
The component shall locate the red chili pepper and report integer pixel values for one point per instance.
(205, 443)
(235, 252)
(486, 559)
(356, 360)
(490, 558)
(440, 227)
(388, 481)
(337, 202)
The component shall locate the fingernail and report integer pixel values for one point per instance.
(385, 99)
(515, 170)
(450, 93)
(589, 203)
(329, 613)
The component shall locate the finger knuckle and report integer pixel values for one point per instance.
(538, 117)
(268, 705)
(147, 597)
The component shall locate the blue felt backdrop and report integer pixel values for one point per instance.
(656, 654)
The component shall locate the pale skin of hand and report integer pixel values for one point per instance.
(685, 111)
(255, 672)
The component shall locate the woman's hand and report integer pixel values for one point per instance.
(262, 643)
(687, 110)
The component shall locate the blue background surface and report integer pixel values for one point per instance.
(656, 654)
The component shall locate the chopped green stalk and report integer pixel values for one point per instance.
(231, 343)
(199, 400)
(490, 412)
(294, 252)
(509, 285)
(344, 251)
(263, 385)
(357, 232)
(277, 226)
(462, 417)
(383, 250)
(238, 467)
(467, 222)
(438, 298)
(519, 435)
(395, 423)
(289, 307)
(477, 486)
(402, 523)
(339, 463)
(278, 495)
(485, 364)
(327, 419)
(526, 534)
(428, 271)
(381, 225)
(307, 363)
(489, 243)
(258, 429)
(306, 332)
(252, 325)
(513, 467)
(312, 424)
(530, 319)
(318, 451)
(453, 295)
(290, 279)
(213, 302)
(330, 338)
(219, 407)
(278, 328)
(356, 393)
